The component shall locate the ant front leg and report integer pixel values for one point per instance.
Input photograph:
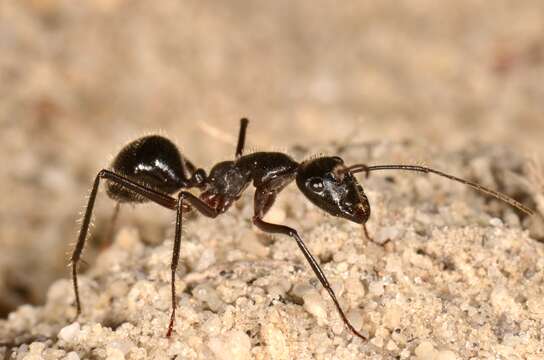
(203, 208)
(175, 260)
(360, 167)
(364, 168)
(153, 195)
(367, 235)
(263, 201)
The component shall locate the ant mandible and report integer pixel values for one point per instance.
(151, 168)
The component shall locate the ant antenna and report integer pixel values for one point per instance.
(423, 169)
(241, 137)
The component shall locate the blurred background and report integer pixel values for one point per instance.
(78, 79)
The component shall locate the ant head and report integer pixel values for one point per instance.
(328, 183)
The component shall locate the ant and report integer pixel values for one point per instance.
(151, 168)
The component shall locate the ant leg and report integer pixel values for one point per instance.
(370, 238)
(367, 235)
(153, 195)
(200, 205)
(262, 199)
(205, 210)
(175, 260)
(241, 137)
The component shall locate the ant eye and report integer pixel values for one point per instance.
(316, 184)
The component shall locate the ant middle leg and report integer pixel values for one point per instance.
(363, 168)
(150, 194)
(263, 201)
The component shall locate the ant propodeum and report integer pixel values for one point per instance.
(152, 169)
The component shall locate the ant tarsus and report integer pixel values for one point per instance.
(151, 168)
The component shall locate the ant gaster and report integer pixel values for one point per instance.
(152, 169)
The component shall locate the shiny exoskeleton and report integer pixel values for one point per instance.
(154, 161)
(152, 169)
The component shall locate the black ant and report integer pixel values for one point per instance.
(152, 169)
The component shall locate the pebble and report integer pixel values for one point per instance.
(212, 326)
(234, 345)
(124, 346)
(337, 286)
(376, 288)
(35, 351)
(386, 233)
(502, 301)
(355, 286)
(355, 318)
(377, 341)
(425, 351)
(72, 355)
(405, 354)
(208, 295)
(114, 354)
(446, 355)
(391, 346)
(392, 316)
(496, 222)
(59, 290)
(70, 332)
(206, 260)
(536, 305)
(276, 342)
(315, 305)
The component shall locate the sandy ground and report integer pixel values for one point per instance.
(457, 86)
(460, 277)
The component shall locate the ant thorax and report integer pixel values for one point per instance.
(227, 179)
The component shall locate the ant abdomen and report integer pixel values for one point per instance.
(153, 161)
